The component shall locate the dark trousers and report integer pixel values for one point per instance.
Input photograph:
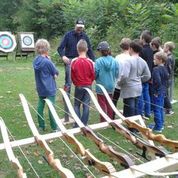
(67, 88)
(130, 106)
(82, 97)
(115, 99)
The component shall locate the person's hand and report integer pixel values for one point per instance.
(66, 60)
(156, 95)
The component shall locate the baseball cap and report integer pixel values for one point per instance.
(103, 46)
(80, 23)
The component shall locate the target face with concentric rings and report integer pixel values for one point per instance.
(27, 40)
(7, 42)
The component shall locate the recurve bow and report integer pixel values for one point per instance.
(14, 161)
(104, 167)
(126, 133)
(121, 158)
(54, 163)
(144, 130)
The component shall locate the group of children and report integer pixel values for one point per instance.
(141, 75)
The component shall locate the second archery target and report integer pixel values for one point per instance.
(27, 41)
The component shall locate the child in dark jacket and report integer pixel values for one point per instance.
(170, 65)
(45, 74)
(160, 80)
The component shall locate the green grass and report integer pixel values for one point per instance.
(17, 77)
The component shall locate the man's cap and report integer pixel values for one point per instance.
(80, 23)
(103, 46)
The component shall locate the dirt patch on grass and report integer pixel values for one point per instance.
(2, 175)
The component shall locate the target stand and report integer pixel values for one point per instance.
(4, 55)
(25, 45)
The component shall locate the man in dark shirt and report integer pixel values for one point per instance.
(68, 50)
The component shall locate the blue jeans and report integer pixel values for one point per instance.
(144, 105)
(67, 88)
(158, 111)
(82, 98)
(130, 106)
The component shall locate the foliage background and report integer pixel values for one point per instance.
(105, 19)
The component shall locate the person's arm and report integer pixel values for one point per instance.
(146, 75)
(125, 72)
(97, 69)
(156, 81)
(117, 69)
(61, 49)
(52, 69)
(92, 71)
(90, 51)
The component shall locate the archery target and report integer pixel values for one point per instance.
(7, 42)
(27, 41)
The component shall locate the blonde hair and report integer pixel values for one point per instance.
(125, 43)
(170, 45)
(42, 46)
(161, 56)
(82, 46)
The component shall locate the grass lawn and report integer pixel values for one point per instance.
(17, 77)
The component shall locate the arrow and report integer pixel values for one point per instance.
(104, 167)
(54, 163)
(14, 161)
(121, 158)
(126, 133)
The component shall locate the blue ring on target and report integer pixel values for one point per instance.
(6, 41)
(27, 40)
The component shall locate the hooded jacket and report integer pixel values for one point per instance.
(106, 73)
(45, 72)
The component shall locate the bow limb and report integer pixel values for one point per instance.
(104, 167)
(121, 158)
(125, 132)
(160, 138)
(15, 162)
(54, 163)
(145, 131)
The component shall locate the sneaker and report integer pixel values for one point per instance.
(169, 113)
(157, 130)
(151, 126)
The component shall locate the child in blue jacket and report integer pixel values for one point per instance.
(106, 73)
(45, 74)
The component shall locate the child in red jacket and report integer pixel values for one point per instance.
(82, 75)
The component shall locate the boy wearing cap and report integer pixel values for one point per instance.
(106, 73)
(82, 75)
(68, 50)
